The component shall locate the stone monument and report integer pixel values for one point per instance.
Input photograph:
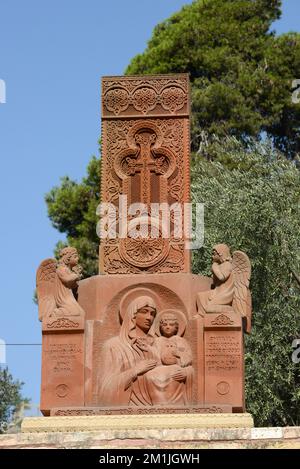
(145, 336)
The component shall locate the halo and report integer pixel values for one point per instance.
(182, 321)
(135, 293)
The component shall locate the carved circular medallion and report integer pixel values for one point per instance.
(173, 98)
(143, 252)
(144, 99)
(62, 390)
(139, 248)
(223, 388)
(116, 100)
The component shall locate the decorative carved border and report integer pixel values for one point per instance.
(205, 409)
(141, 97)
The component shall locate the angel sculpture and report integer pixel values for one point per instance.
(55, 283)
(230, 288)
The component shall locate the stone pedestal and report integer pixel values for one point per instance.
(62, 381)
(71, 366)
(224, 360)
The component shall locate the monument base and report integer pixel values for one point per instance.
(184, 438)
(135, 422)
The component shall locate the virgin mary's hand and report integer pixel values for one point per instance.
(144, 366)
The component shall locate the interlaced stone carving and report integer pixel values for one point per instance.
(173, 98)
(144, 99)
(148, 96)
(116, 100)
(222, 320)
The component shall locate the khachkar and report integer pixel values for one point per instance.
(145, 335)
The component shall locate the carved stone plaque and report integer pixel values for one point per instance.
(224, 368)
(62, 370)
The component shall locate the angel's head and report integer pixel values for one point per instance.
(69, 256)
(221, 253)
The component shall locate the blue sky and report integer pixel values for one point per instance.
(52, 56)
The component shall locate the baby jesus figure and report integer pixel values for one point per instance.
(171, 382)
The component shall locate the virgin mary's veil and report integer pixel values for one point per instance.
(128, 327)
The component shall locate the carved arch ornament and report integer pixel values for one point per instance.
(145, 154)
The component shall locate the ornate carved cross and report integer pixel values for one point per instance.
(145, 160)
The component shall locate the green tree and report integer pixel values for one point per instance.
(72, 210)
(252, 204)
(241, 72)
(11, 399)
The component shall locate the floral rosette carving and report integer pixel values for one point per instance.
(143, 252)
(116, 100)
(173, 98)
(144, 100)
(139, 248)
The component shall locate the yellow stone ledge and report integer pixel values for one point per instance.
(176, 438)
(135, 422)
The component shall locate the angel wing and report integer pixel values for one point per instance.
(45, 284)
(242, 296)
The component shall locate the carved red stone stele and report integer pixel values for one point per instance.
(145, 134)
(150, 336)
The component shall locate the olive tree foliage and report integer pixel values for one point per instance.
(252, 203)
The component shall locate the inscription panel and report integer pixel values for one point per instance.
(224, 367)
(62, 370)
(205, 409)
(63, 357)
(222, 353)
